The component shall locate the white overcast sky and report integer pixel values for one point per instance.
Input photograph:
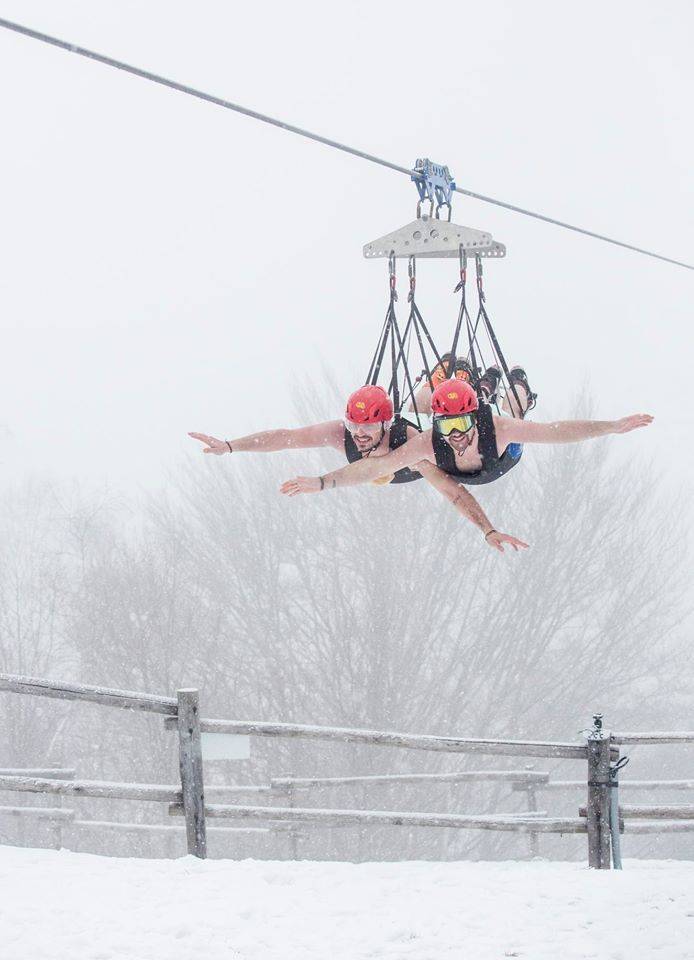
(166, 265)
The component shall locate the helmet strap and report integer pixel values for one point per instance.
(380, 441)
(470, 436)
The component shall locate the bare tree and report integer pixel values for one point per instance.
(373, 607)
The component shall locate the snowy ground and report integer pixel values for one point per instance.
(80, 907)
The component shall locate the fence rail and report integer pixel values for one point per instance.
(660, 812)
(643, 739)
(510, 748)
(39, 813)
(521, 777)
(659, 826)
(93, 788)
(78, 691)
(395, 819)
(628, 784)
(601, 818)
(163, 828)
(56, 773)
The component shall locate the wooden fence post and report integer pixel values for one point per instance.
(292, 835)
(190, 763)
(598, 807)
(57, 834)
(58, 831)
(533, 838)
(363, 842)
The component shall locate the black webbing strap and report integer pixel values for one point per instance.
(394, 389)
(416, 322)
(421, 327)
(378, 354)
(492, 336)
(377, 361)
(415, 319)
(408, 378)
(398, 343)
(462, 256)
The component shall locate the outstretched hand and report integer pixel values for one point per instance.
(300, 485)
(636, 420)
(497, 540)
(213, 445)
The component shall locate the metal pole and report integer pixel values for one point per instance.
(614, 811)
(598, 807)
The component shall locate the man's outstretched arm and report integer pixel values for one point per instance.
(466, 505)
(328, 434)
(509, 430)
(366, 469)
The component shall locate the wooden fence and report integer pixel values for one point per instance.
(598, 819)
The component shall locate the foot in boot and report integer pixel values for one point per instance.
(489, 383)
(463, 371)
(517, 377)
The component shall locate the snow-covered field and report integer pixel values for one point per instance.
(78, 907)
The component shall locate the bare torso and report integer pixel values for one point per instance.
(467, 454)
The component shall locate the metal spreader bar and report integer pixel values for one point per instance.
(431, 238)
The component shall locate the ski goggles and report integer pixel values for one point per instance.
(446, 425)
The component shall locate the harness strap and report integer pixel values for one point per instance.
(493, 465)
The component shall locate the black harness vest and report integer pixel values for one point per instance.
(493, 466)
(397, 435)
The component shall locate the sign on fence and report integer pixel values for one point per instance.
(225, 746)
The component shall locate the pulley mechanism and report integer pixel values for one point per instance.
(435, 184)
(430, 237)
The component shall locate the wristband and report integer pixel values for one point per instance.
(229, 445)
(490, 531)
(322, 483)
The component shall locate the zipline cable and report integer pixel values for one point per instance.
(300, 131)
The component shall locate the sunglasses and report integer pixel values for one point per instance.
(446, 425)
(370, 428)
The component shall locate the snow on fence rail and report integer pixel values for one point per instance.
(39, 813)
(93, 788)
(165, 828)
(660, 826)
(57, 773)
(517, 824)
(643, 739)
(55, 816)
(521, 777)
(628, 784)
(79, 691)
(508, 748)
(683, 811)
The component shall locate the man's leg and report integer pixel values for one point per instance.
(521, 389)
(518, 399)
(516, 404)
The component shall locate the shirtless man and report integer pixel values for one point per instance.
(368, 434)
(467, 442)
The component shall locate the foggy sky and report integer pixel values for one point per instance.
(168, 266)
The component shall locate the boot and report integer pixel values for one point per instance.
(517, 375)
(489, 383)
(463, 371)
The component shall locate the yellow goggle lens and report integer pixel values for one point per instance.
(446, 425)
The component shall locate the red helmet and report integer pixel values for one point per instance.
(369, 404)
(452, 398)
